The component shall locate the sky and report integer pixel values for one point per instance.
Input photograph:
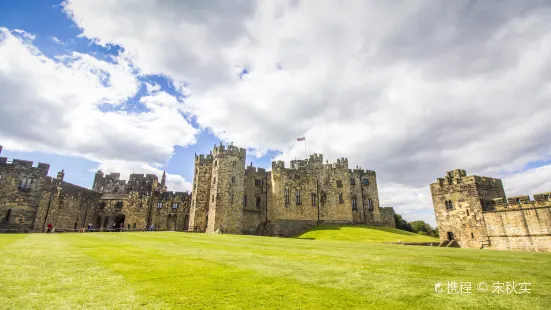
(410, 89)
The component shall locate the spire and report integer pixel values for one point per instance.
(163, 180)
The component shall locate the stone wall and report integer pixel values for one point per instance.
(520, 229)
(21, 187)
(66, 206)
(257, 183)
(388, 216)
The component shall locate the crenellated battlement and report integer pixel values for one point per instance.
(25, 164)
(228, 150)
(518, 199)
(459, 176)
(202, 159)
(279, 164)
(172, 194)
(316, 159)
(313, 161)
(362, 172)
(252, 170)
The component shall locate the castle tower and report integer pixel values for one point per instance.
(98, 182)
(200, 193)
(458, 202)
(225, 213)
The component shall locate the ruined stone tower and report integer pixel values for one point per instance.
(225, 212)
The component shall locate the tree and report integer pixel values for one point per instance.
(423, 228)
(401, 223)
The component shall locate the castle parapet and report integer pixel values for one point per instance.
(316, 159)
(522, 199)
(280, 164)
(25, 164)
(200, 159)
(229, 150)
(542, 197)
(252, 170)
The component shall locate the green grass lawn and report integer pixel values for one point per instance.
(163, 270)
(363, 234)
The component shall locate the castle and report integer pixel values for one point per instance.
(227, 197)
(473, 212)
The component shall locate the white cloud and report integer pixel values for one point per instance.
(409, 89)
(78, 105)
(530, 182)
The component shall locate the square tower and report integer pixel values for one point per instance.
(459, 201)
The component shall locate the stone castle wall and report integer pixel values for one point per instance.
(227, 197)
(474, 211)
(20, 198)
(526, 229)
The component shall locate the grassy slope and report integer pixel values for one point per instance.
(363, 234)
(201, 271)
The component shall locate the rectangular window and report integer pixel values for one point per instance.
(286, 196)
(366, 181)
(159, 205)
(472, 236)
(340, 198)
(245, 200)
(212, 198)
(258, 202)
(354, 204)
(214, 180)
(370, 204)
(298, 202)
(118, 205)
(233, 179)
(313, 199)
(175, 205)
(352, 181)
(339, 184)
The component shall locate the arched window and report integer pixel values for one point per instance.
(446, 203)
(23, 183)
(354, 208)
(29, 182)
(245, 200)
(450, 205)
(298, 201)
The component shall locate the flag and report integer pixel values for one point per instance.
(301, 139)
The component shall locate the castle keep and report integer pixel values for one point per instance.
(473, 212)
(227, 197)
(231, 198)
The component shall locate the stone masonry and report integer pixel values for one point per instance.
(475, 212)
(227, 197)
(231, 198)
(30, 200)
